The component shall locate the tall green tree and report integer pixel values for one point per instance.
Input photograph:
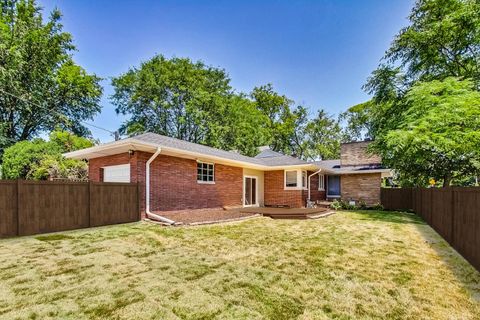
(438, 49)
(358, 122)
(442, 40)
(40, 86)
(244, 127)
(174, 97)
(280, 120)
(324, 135)
(292, 131)
(38, 159)
(438, 135)
(191, 101)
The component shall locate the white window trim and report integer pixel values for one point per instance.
(299, 180)
(321, 177)
(214, 175)
(120, 166)
(256, 192)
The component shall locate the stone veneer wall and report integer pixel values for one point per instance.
(361, 187)
(355, 153)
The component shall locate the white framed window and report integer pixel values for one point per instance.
(119, 173)
(205, 172)
(291, 179)
(295, 179)
(321, 182)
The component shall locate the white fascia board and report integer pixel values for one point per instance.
(101, 150)
(134, 144)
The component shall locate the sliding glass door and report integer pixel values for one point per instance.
(250, 191)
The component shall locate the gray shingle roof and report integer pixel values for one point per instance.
(267, 153)
(335, 166)
(275, 158)
(328, 164)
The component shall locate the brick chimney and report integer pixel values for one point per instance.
(355, 154)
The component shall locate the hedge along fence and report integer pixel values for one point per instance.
(453, 212)
(33, 207)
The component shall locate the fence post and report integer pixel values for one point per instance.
(138, 202)
(90, 185)
(18, 207)
(452, 229)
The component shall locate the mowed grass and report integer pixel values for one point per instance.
(352, 265)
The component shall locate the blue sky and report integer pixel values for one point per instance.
(318, 53)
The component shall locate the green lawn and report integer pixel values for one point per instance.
(352, 265)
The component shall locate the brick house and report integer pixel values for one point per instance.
(186, 175)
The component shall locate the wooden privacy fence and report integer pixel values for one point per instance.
(453, 212)
(33, 207)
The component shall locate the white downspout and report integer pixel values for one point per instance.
(309, 182)
(147, 191)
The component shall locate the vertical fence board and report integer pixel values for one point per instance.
(467, 224)
(8, 209)
(453, 212)
(114, 203)
(48, 206)
(34, 207)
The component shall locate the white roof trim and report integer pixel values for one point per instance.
(134, 144)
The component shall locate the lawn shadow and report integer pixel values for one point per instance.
(464, 272)
(390, 216)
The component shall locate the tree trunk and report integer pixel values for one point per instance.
(446, 180)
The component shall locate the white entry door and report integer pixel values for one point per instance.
(250, 191)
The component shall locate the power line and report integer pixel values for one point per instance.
(114, 133)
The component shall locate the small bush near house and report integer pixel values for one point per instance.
(336, 205)
(377, 207)
(362, 205)
(344, 205)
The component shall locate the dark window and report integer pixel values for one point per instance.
(333, 185)
(205, 172)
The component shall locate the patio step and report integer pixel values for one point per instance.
(284, 216)
(286, 213)
(289, 215)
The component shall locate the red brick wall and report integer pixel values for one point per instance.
(174, 182)
(95, 165)
(174, 185)
(315, 194)
(275, 194)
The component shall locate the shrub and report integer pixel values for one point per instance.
(362, 205)
(345, 205)
(336, 205)
(377, 206)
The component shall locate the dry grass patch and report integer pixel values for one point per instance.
(369, 265)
